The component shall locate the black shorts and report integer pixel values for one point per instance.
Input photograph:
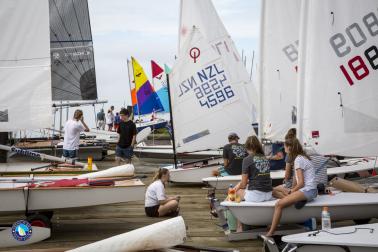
(152, 211)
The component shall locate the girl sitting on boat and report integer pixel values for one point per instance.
(282, 191)
(255, 174)
(304, 188)
(157, 204)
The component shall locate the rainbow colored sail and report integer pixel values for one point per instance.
(146, 97)
(134, 100)
(159, 79)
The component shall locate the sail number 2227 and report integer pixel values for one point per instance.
(357, 66)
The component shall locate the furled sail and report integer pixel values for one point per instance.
(278, 65)
(338, 77)
(159, 80)
(210, 89)
(73, 69)
(25, 75)
(147, 99)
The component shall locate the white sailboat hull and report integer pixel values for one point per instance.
(191, 175)
(224, 182)
(357, 238)
(20, 199)
(166, 152)
(342, 206)
(30, 167)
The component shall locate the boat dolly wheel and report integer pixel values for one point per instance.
(40, 219)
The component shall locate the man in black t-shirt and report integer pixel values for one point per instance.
(233, 154)
(126, 138)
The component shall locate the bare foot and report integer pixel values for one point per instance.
(269, 234)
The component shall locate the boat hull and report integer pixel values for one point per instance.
(166, 152)
(342, 206)
(33, 199)
(191, 175)
(350, 238)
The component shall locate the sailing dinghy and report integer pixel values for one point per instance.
(342, 205)
(358, 238)
(114, 185)
(211, 84)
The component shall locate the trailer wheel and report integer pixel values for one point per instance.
(362, 221)
(39, 220)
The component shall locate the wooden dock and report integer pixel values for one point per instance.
(77, 227)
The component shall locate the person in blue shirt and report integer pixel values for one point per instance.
(117, 120)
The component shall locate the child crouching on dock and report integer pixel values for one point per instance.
(157, 203)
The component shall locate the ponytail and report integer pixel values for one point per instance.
(160, 173)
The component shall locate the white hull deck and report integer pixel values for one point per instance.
(166, 152)
(20, 199)
(342, 206)
(193, 172)
(13, 167)
(224, 182)
(359, 238)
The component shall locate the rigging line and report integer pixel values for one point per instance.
(69, 81)
(69, 34)
(66, 91)
(68, 70)
(69, 55)
(73, 75)
(81, 34)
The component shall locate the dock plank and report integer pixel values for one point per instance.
(77, 227)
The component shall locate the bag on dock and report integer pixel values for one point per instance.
(350, 186)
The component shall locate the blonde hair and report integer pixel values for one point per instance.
(160, 173)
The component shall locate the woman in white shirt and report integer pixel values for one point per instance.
(157, 204)
(305, 187)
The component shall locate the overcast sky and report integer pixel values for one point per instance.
(148, 29)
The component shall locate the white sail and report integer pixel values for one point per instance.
(278, 65)
(210, 89)
(160, 235)
(25, 77)
(337, 67)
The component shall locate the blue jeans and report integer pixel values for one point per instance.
(70, 153)
(125, 153)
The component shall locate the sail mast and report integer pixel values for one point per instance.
(171, 123)
(261, 71)
(301, 69)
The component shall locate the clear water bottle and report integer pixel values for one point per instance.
(326, 219)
